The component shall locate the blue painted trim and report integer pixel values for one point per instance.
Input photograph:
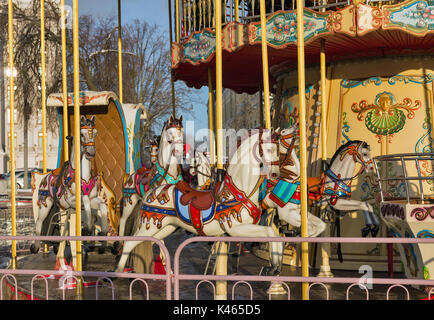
(124, 125)
(137, 161)
(59, 152)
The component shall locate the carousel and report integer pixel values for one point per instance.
(351, 156)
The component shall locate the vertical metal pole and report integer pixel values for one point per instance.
(171, 74)
(43, 93)
(43, 97)
(77, 137)
(121, 100)
(64, 84)
(177, 21)
(222, 259)
(211, 119)
(265, 65)
(303, 151)
(237, 10)
(2, 103)
(12, 131)
(325, 247)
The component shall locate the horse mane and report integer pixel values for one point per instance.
(246, 135)
(342, 147)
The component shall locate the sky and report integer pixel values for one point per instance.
(154, 12)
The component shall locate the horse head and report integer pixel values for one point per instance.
(288, 136)
(267, 153)
(88, 134)
(154, 150)
(173, 136)
(365, 156)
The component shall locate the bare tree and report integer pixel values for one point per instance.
(146, 63)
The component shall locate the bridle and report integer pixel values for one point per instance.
(260, 142)
(353, 151)
(90, 132)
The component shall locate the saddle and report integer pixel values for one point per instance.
(315, 187)
(201, 200)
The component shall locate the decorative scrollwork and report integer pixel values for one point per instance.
(422, 213)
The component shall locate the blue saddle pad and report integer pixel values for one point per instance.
(184, 211)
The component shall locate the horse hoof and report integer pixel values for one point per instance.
(374, 231)
(116, 247)
(55, 249)
(365, 231)
(33, 249)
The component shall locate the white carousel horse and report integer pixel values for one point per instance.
(201, 167)
(333, 187)
(234, 209)
(166, 170)
(58, 187)
(283, 194)
(338, 178)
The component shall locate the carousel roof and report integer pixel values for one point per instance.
(354, 32)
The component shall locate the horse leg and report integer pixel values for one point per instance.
(43, 212)
(371, 221)
(127, 209)
(291, 213)
(247, 230)
(142, 232)
(102, 219)
(88, 214)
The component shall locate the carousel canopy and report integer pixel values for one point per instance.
(353, 32)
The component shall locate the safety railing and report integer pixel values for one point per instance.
(25, 223)
(196, 15)
(173, 278)
(402, 160)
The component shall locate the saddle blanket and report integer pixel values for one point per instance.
(284, 192)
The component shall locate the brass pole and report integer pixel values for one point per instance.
(177, 21)
(43, 97)
(303, 141)
(64, 84)
(121, 100)
(77, 137)
(171, 52)
(222, 258)
(43, 93)
(211, 119)
(323, 103)
(12, 131)
(219, 85)
(265, 65)
(237, 10)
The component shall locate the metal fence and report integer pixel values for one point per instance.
(173, 277)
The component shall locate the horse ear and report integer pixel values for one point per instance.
(83, 119)
(277, 130)
(180, 118)
(93, 118)
(171, 119)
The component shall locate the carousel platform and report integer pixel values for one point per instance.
(193, 260)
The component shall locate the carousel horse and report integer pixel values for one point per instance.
(166, 170)
(201, 167)
(283, 194)
(335, 183)
(56, 189)
(233, 209)
(332, 187)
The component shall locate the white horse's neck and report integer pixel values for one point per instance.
(165, 159)
(85, 164)
(344, 167)
(244, 169)
(203, 171)
(295, 167)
